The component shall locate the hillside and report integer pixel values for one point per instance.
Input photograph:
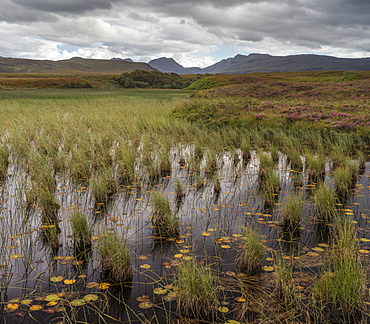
(164, 64)
(76, 64)
(268, 63)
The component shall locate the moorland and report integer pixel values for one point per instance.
(214, 199)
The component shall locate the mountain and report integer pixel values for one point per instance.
(268, 63)
(125, 59)
(73, 65)
(303, 62)
(169, 65)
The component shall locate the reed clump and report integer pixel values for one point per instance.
(115, 257)
(315, 167)
(250, 255)
(341, 287)
(292, 211)
(81, 230)
(197, 296)
(325, 201)
(345, 177)
(164, 219)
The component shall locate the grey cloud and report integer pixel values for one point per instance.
(65, 6)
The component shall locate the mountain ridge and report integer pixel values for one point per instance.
(238, 64)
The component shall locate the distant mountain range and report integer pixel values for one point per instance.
(73, 65)
(238, 64)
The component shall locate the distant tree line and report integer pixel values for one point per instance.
(152, 79)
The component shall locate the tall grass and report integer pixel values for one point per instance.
(197, 296)
(250, 255)
(292, 211)
(342, 286)
(164, 219)
(115, 257)
(325, 203)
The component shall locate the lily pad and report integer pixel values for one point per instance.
(146, 305)
(78, 302)
(90, 297)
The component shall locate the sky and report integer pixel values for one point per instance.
(193, 32)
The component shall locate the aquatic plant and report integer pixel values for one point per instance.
(166, 222)
(325, 203)
(292, 211)
(197, 296)
(250, 255)
(81, 230)
(115, 257)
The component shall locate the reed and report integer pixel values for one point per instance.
(325, 203)
(197, 296)
(250, 255)
(315, 167)
(115, 257)
(81, 231)
(292, 211)
(345, 177)
(166, 221)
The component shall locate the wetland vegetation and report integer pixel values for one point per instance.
(244, 203)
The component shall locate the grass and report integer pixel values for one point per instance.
(325, 203)
(344, 179)
(341, 287)
(115, 258)
(250, 255)
(197, 296)
(292, 211)
(166, 222)
(81, 231)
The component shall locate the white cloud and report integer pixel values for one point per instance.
(182, 29)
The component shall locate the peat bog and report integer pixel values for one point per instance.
(245, 203)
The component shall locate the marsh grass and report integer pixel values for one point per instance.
(292, 211)
(164, 219)
(345, 177)
(103, 185)
(341, 287)
(325, 201)
(250, 255)
(81, 231)
(197, 296)
(4, 162)
(115, 257)
(315, 167)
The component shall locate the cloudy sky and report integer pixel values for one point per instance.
(193, 32)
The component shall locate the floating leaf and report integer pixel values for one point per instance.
(145, 266)
(160, 291)
(69, 281)
(268, 268)
(50, 310)
(312, 254)
(35, 307)
(52, 303)
(226, 246)
(56, 279)
(11, 307)
(68, 258)
(77, 262)
(78, 302)
(146, 305)
(364, 251)
(52, 297)
(206, 234)
(58, 257)
(187, 257)
(104, 285)
(223, 309)
(16, 256)
(240, 299)
(26, 301)
(318, 249)
(90, 297)
(143, 298)
(142, 257)
(92, 285)
(178, 255)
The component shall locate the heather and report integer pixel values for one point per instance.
(260, 100)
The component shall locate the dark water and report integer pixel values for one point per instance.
(211, 222)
